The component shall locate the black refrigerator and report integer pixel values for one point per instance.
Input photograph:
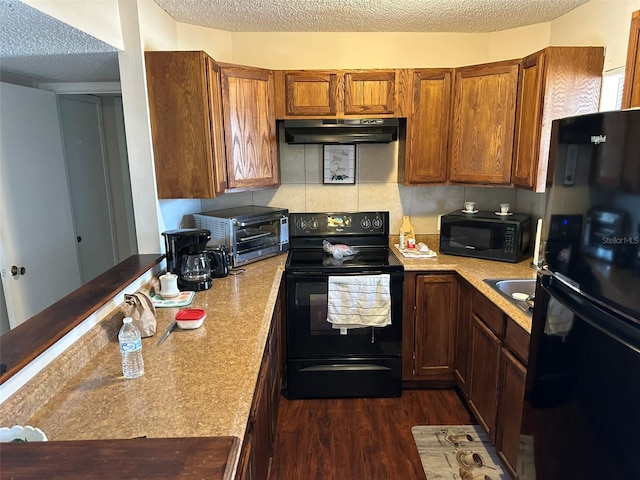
(581, 415)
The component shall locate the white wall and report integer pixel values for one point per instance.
(598, 22)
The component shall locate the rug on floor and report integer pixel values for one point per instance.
(457, 452)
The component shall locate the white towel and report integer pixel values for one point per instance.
(359, 301)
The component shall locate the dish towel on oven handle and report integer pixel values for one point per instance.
(359, 301)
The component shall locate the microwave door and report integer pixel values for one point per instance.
(472, 238)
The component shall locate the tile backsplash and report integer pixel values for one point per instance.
(376, 188)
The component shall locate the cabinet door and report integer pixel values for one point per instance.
(631, 92)
(250, 127)
(554, 83)
(435, 326)
(484, 110)
(483, 388)
(216, 126)
(529, 120)
(463, 337)
(369, 92)
(186, 155)
(310, 93)
(428, 131)
(513, 375)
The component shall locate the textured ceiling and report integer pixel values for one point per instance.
(38, 47)
(366, 15)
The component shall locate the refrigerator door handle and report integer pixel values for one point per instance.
(567, 282)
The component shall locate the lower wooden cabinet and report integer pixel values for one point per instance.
(463, 337)
(513, 375)
(490, 369)
(483, 381)
(257, 446)
(429, 327)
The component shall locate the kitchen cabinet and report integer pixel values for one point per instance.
(513, 375)
(487, 325)
(483, 123)
(555, 82)
(331, 93)
(186, 124)
(631, 89)
(257, 447)
(249, 127)
(212, 125)
(426, 155)
(492, 351)
(429, 327)
(463, 337)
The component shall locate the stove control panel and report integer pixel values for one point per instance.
(348, 223)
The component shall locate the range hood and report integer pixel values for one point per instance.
(342, 130)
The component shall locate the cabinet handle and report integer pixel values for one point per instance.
(15, 271)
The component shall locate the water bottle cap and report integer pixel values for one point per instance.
(127, 320)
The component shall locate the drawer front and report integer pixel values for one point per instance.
(491, 315)
(517, 340)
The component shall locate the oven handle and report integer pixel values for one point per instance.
(343, 368)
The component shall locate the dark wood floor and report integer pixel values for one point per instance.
(359, 439)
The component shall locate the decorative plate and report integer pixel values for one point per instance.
(18, 433)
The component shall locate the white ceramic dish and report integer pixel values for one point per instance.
(469, 211)
(20, 433)
(503, 214)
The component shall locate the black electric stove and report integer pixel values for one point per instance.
(323, 362)
(366, 232)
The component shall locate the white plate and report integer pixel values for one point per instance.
(26, 434)
(503, 214)
(469, 211)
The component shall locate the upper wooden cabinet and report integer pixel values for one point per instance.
(249, 127)
(554, 83)
(213, 126)
(426, 157)
(327, 93)
(631, 91)
(186, 124)
(483, 123)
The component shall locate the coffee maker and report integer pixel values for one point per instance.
(187, 257)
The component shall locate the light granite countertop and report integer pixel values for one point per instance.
(474, 271)
(197, 383)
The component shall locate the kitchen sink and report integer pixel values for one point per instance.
(521, 287)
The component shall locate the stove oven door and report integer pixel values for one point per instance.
(322, 362)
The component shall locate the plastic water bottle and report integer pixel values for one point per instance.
(131, 349)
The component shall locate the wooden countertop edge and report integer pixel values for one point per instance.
(160, 458)
(24, 343)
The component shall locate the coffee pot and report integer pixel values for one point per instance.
(187, 258)
(195, 267)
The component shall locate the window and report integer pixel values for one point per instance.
(611, 94)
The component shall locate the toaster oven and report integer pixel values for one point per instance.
(249, 233)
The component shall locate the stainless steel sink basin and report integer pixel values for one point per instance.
(519, 286)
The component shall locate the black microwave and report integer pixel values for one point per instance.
(487, 235)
